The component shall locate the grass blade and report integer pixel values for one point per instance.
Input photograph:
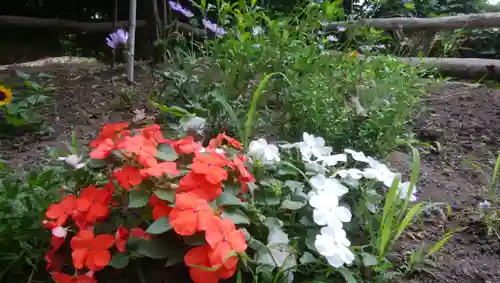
(254, 103)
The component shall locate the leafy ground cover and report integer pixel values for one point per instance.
(459, 123)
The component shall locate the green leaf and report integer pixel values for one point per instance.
(310, 239)
(369, 259)
(292, 205)
(197, 239)
(37, 99)
(227, 199)
(15, 121)
(166, 153)
(307, 221)
(120, 260)
(236, 216)
(347, 274)
(167, 195)
(160, 226)
(45, 76)
(155, 248)
(308, 257)
(137, 198)
(33, 85)
(273, 222)
(22, 75)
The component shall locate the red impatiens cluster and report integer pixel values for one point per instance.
(142, 167)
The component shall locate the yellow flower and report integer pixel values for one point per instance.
(354, 54)
(5, 95)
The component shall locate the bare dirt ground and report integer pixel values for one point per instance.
(463, 124)
(86, 97)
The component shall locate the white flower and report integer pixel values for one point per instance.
(379, 172)
(313, 166)
(341, 28)
(193, 123)
(403, 190)
(264, 152)
(332, 38)
(320, 183)
(332, 160)
(352, 173)
(59, 232)
(357, 155)
(73, 160)
(326, 210)
(333, 245)
(313, 146)
(257, 30)
(484, 204)
(139, 115)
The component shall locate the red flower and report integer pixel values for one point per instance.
(244, 174)
(187, 145)
(199, 256)
(54, 262)
(160, 169)
(153, 133)
(231, 141)
(197, 184)
(210, 165)
(109, 131)
(223, 238)
(94, 203)
(128, 177)
(65, 278)
(91, 252)
(102, 149)
(140, 234)
(62, 210)
(190, 214)
(122, 235)
(144, 149)
(160, 207)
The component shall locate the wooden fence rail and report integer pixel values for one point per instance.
(459, 67)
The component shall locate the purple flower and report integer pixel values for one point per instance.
(117, 38)
(213, 27)
(178, 7)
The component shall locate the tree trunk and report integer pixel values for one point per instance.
(131, 40)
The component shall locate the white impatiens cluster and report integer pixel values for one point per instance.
(329, 184)
(332, 243)
(318, 159)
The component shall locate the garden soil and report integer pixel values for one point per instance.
(459, 123)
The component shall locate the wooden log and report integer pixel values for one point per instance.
(466, 68)
(486, 20)
(55, 23)
(90, 27)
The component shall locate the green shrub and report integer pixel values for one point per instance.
(23, 201)
(350, 100)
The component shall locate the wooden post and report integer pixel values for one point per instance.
(131, 41)
(115, 20)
